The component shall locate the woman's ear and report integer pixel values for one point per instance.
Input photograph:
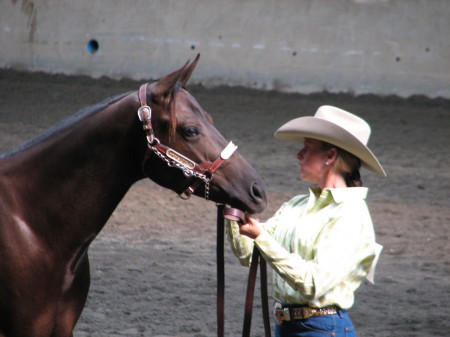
(332, 155)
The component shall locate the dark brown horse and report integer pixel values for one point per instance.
(58, 191)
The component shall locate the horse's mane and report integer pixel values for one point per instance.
(69, 121)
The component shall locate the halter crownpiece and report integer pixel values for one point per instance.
(145, 116)
(196, 173)
(145, 113)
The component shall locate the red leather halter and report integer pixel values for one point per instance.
(196, 173)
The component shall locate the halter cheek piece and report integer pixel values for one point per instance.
(196, 173)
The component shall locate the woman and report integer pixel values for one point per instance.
(320, 245)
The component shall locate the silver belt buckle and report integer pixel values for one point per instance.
(281, 315)
(278, 312)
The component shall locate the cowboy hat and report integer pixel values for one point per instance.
(337, 127)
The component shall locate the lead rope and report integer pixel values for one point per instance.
(250, 283)
(220, 270)
(264, 297)
(256, 257)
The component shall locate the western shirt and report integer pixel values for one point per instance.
(321, 246)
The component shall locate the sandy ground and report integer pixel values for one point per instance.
(158, 277)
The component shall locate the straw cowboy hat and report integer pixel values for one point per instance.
(337, 127)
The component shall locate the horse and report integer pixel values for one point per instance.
(58, 191)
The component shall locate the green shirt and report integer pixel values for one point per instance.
(321, 247)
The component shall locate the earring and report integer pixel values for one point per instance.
(326, 163)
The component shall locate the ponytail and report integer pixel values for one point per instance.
(347, 164)
(353, 179)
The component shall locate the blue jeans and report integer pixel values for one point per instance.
(336, 325)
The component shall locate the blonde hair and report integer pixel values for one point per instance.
(346, 164)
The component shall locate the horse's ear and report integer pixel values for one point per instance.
(189, 70)
(165, 86)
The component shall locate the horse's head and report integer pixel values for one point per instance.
(183, 143)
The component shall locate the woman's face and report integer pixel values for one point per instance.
(312, 161)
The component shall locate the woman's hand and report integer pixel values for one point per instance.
(251, 228)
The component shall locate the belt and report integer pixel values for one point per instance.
(288, 313)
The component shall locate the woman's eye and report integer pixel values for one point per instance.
(191, 131)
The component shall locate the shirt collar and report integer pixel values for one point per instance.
(339, 194)
(349, 193)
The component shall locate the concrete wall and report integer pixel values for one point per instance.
(362, 46)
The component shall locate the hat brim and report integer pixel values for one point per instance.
(300, 128)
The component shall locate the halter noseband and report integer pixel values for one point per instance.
(196, 173)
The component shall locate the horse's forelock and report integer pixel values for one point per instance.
(179, 88)
(169, 102)
(172, 118)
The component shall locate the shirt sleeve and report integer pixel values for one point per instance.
(344, 250)
(241, 245)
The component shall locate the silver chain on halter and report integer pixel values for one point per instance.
(186, 170)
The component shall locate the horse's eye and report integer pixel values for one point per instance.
(191, 131)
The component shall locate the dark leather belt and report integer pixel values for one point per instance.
(289, 313)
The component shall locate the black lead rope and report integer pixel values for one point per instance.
(264, 297)
(250, 293)
(256, 259)
(220, 271)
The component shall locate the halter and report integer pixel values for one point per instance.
(196, 173)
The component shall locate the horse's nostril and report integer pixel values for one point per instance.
(256, 191)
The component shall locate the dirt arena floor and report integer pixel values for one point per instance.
(158, 277)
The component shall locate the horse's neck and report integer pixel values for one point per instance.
(73, 179)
